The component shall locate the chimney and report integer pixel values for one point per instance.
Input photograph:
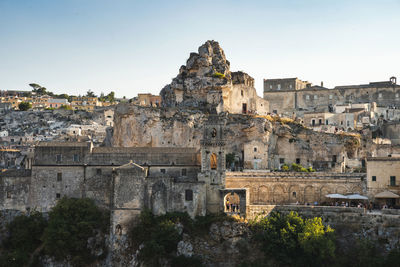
(322, 84)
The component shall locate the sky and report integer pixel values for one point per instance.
(131, 47)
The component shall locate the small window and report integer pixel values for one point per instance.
(98, 171)
(294, 194)
(58, 195)
(270, 87)
(58, 158)
(307, 97)
(297, 161)
(334, 158)
(162, 171)
(76, 158)
(326, 122)
(189, 195)
(315, 97)
(281, 160)
(241, 92)
(330, 96)
(397, 95)
(320, 121)
(59, 177)
(313, 122)
(8, 194)
(380, 95)
(279, 86)
(348, 123)
(373, 178)
(255, 149)
(183, 172)
(392, 180)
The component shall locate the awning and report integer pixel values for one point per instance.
(335, 196)
(356, 196)
(387, 194)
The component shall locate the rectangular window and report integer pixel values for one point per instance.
(348, 123)
(326, 122)
(8, 194)
(281, 160)
(330, 96)
(58, 158)
(162, 170)
(98, 171)
(59, 177)
(189, 195)
(315, 97)
(297, 161)
(76, 158)
(183, 172)
(373, 178)
(58, 195)
(279, 87)
(307, 97)
(320, 121)
(255, 149)
(392, 180)
(334, 158)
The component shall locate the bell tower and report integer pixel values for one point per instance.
(213, 160)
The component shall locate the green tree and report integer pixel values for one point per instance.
(66, 107)
(24, 237)
(293, 241)
(111, 97)
(24, 106)
(71, 223)
(90, 94)
(65, 96)
(40, 90)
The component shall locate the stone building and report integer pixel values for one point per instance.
(147, 100)
(383, 179)
(317, 98)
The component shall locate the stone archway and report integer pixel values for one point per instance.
(294, 194)
(232, 203)
(213, 161)
(309, 195)
(323, 192)
(235, 194)
(279, 195)
(263, 195)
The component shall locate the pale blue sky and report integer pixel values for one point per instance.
(138, 46)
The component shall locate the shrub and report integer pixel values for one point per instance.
(24, 238)
(285, 168)
(71, 223)
(292, 241)
(24, 106)
(219, 75)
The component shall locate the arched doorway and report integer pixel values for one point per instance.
(213, 161)
(232, 203)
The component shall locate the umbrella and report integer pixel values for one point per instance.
(386, 194)
(335, 196)
(356, 196)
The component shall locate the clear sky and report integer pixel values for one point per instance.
(133, 46)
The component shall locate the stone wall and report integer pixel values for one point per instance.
(14, 189)
(291, 187)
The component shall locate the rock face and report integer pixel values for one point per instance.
(207, 84)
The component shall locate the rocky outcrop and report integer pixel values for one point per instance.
(206, 70)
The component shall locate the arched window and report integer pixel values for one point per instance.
(214, 133)
(213, 161)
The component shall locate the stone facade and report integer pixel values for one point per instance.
(279, 188)
(316, 98)
(383, 174)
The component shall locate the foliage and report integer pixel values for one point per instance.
(36, 88)
(158, 235)
(90, 93)
(229, 158)
(24, 238)
(65, 96)
(24, 106)
(296, 168)
(110, 97)
(71, 223)
(291, 240)
(218, 75)
(66, 107)
(183, 261)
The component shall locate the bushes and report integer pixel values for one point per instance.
(296, 168)
(24, 106)
(71, 223)
(290, 240)
(24, 238)
(218, 75)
